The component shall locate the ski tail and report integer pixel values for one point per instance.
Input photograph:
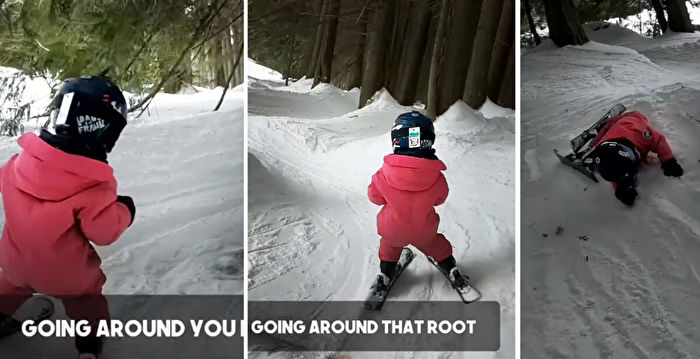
(578, 142)
(577, 164)
(579, 159)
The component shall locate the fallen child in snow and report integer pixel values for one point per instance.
(59, 195)
(409, 185)
(622, 145)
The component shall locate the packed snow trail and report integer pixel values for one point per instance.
(600, 279)
(184, 166)
(312, 230)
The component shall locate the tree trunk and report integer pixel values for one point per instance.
(457, 52)
(187, 76)
(398, 40)
(564, 26)
(220, 70)
(318, 39)
(506, 96)
(531, 22)
(332, 31)
(290, 56)
(325, 61)
(476, 89)
(230, 77)
(355, 76)
(436, 60)
(312, 45)
(678, 17)
(660, 15)
(501, 49)
(373, 73)
(424, 73)
(411, 54)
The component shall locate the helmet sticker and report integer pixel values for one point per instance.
(89, 124)
(624, 154)
(414, 137)
(66, 103)
(647, 134)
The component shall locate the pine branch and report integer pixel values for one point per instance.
(205, 22)
(138, 53)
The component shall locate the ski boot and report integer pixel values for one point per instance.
(383, 283)
(463, 286)
(37, 308)
(458, 281)
(378, 292)
(580, 157)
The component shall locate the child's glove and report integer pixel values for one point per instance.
(672, 168)
(129, 203)
(626, 195)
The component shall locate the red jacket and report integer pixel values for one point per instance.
(635, 127)
(409, 188)
(55, 205)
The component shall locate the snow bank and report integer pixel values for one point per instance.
(603, 31)
(260, 72)
(490, 110)
(647, 18)
(613, 34)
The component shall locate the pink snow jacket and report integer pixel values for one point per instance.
(55, 204)
(409, 188)
(635, 127)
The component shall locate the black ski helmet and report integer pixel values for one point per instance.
(617, 161)
(412, 131)
(90, 110)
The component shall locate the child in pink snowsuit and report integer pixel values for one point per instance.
(60, 199)
(409, 185)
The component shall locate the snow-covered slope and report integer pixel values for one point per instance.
(183, 166)
(600, 279)
(312, 232)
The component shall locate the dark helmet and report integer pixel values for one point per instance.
(412, 131)
(91, 111)
(617, 161)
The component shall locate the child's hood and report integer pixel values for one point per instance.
(50, 174)
(408, 173)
